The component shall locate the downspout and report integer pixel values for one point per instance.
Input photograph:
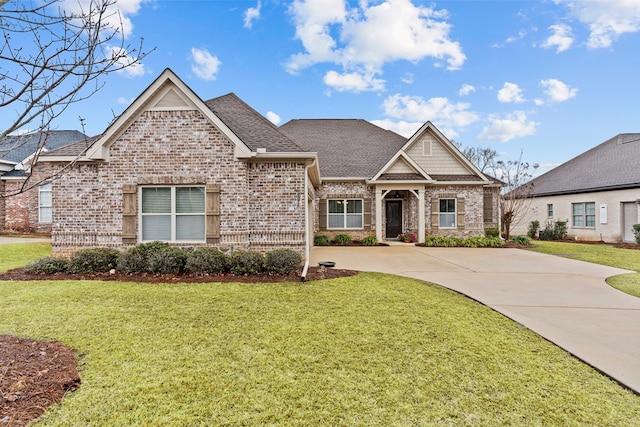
(307, 237)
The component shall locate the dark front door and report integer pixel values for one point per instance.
(394, 218)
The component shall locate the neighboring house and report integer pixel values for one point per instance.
(597, 193)
(178, 169)
(21, 209)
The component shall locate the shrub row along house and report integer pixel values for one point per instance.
(21, 210)
(596, 193)
(179, 169)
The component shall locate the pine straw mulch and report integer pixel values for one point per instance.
(37, 374)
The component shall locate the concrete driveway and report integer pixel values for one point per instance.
(563, 300)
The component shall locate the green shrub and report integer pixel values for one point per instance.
(321, 240)
(470, 242)
(521, 240)
(48, 265)
(96, 260)
(369, 241)
(636, 232)
(492, 232)
(554, 231)
(282, 261)
(136, 259)
(170, 260)
(342, 239)
(205, 260)
(532, 231)
(246, 262)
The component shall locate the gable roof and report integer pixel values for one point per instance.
(347, 148)
(250, 126)
(611, 165)
(16, 148)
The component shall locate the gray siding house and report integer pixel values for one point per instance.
(597, 192)
(179, 169)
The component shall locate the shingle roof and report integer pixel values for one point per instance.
(345, 147)
(250, 126)
(19, 147)
(610, 165)
(73, 149)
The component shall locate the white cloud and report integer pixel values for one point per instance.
(118, 14)
(363, 38)
(507, 127)
(466, 89)
(205, 65)
(606, 19)
(408, 78)
(406, 129)
(353, 82)
(252, 14)
(510, 92)
(123, 59)
(447, 115)
(557, 91)
(273, 118)
(561, 39)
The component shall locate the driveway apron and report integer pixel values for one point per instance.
(563, 300)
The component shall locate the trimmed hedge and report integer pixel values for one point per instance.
(470, 242)
(96, 260)
(206, 260)
(48, 265)
(282, 261)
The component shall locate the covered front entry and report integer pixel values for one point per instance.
(393, 215)
(390, 199)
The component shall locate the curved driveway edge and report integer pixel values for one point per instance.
(563, 300)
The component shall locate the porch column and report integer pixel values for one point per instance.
(379, 196)
(421, 216)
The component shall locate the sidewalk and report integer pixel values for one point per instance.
(563, 300)
(8, 240)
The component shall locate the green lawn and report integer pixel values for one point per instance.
(628, 259)
(19, 254)
(366, 350)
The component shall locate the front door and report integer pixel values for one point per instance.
(393, 212)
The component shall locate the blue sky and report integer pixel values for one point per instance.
(551, 78)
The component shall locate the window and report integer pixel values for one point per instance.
(345, 213)
(447, 216)
(45, 207)
(550, 210)
(584, 214)
(173, 214)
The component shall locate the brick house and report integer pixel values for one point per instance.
(25, 204)
(176, 168)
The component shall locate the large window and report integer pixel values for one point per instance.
(345, 213)
(447, 215)
(173, 214)
(584, 214)
(550, 210)
(45, 206)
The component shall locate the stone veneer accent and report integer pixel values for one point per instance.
(19, 212)
(261, 204)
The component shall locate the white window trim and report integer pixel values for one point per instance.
(344, 215)
(454, 213)
(45, 188)
(584, 215)
(173, 213)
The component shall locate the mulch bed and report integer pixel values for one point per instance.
(33, 376)
(36, 374)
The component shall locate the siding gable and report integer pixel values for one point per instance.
(435, 158)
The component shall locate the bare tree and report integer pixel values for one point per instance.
(483, 158)
(52, 58)
(517, 192)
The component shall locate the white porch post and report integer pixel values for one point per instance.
(421, 216)
(379, 196)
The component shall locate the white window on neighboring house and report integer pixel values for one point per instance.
(584, 214)
(550, 210)
(173, 214)
(45, 203)
(447, 213)
(345, 214)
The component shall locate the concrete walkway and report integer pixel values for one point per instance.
(563, 300)
(8, 240)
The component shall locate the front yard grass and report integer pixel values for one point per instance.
(16, 255)
(367, 350)
(628, 259)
